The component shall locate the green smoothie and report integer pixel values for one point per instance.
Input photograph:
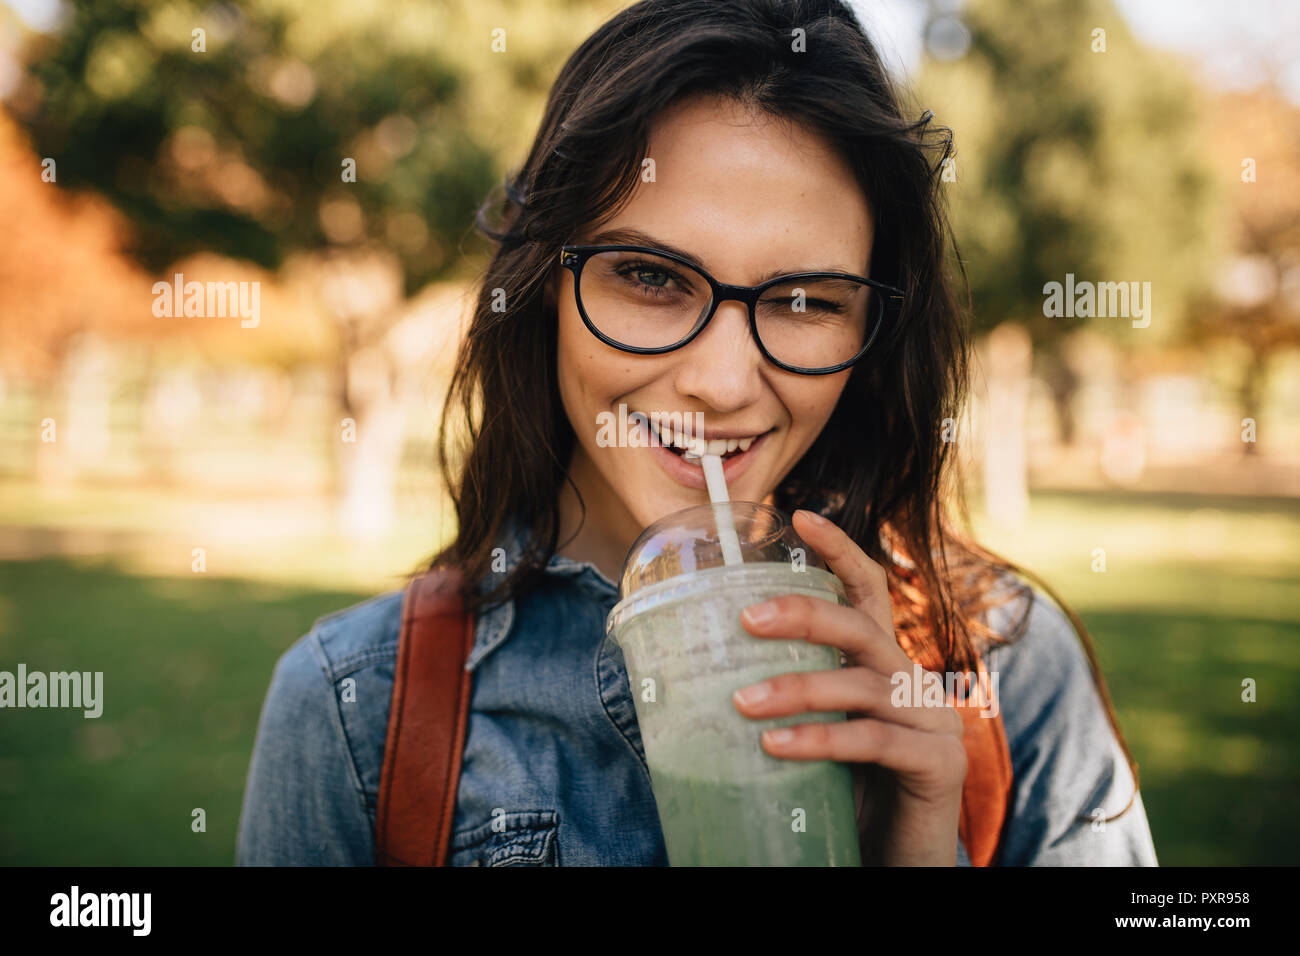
(722, 799)
(788, 819)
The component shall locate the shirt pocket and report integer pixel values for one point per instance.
(519, 838)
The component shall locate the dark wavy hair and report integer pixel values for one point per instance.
(879, 468)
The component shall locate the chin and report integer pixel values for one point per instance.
(654, 507)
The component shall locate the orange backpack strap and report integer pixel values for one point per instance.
(986, 794)
(431, 693)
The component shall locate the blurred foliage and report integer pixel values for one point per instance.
(1256, 147)
(239, 149)
(1073, 161)
(63, 268)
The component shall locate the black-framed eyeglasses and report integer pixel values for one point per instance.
(649, 301)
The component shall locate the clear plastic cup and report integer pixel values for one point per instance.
(722, 799)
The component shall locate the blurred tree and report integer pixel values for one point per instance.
(1079, 152)
(240, 148)
(55, 237)
(1256, 148)
(360, 135)
(65, 288)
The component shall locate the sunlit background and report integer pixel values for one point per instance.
(180, 497)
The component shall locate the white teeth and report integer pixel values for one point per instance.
(670, 437)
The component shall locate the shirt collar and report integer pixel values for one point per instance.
(493, 625)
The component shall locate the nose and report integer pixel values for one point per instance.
(722, 366)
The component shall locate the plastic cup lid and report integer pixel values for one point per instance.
(688, 541)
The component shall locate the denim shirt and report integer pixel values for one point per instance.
(554, 757)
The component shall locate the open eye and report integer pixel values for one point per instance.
(652, 276)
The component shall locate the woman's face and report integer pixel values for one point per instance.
(750, 197)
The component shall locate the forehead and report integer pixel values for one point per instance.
(748, 194)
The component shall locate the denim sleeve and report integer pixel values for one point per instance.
(303, 804)
(1067, 764)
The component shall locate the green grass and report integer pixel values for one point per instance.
(1198, 594)
(1219, 775)
(186, 663)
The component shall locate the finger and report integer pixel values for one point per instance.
(853, 690)
(811, 619)
(939, 759)
(865, 583)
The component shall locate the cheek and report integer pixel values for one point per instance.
(587, 379)
(811, 405)
(813, 402)
(569, 371)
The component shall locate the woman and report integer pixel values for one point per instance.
(738, 141)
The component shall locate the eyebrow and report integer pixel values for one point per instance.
(636, 237)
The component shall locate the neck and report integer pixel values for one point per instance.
(607, 533)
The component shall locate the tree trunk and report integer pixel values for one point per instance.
(77, 401)
(370, 450)
(1252, 384)
(1009, 353)
(1063, 383)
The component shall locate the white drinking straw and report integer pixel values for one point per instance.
(717, 483)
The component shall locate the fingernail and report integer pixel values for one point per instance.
(754, 695)
(816, 518)
(782, 735)
(760, 613)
